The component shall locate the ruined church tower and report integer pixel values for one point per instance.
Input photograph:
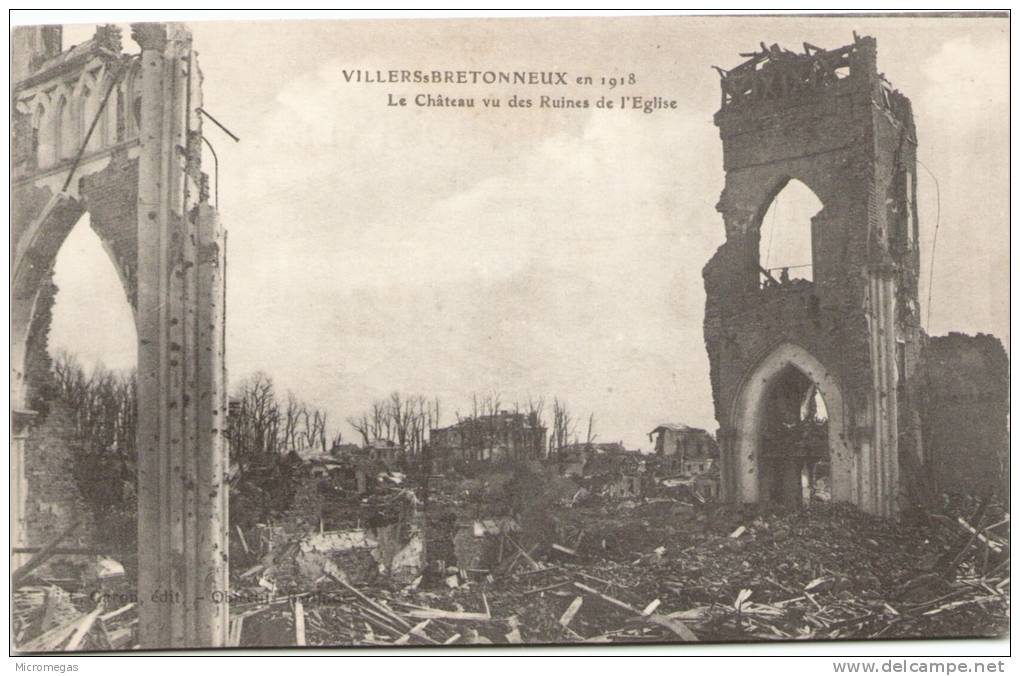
(851, 333)
(118, 136)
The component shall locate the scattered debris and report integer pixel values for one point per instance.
(571, 610)
(659, 569)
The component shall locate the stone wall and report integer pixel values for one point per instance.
(53, 500)
(965, 414)
(850, 139)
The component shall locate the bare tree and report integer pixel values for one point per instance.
(103, 406)
(313, 432)
(293, 414)
(401, 416)
(255, 422)
(363, 427)
(381, 425)
(405, 420)
(564, 426)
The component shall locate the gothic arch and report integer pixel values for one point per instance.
(169, 254)
(65, 121)
(90, 98)
(785, 223)
(779, 185)
(47, 120)
(742, 463)
(33, 260)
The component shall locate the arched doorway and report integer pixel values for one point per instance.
(34, 256)
(45, 498)
(790, 432)
(794, 456)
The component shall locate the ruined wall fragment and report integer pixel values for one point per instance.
(965, 414)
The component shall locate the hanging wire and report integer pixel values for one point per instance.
(772, 230)
(216, 170)
(934, 241)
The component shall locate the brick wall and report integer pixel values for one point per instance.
(965, 414)
(54, 501)
(852, 143)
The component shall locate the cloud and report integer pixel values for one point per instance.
(965, 79)
(547, 263)
(963, 115)
(537, 252)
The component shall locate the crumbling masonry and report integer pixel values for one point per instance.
(831, 121)
(851, 334)
(119, 136)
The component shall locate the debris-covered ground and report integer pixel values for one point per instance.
(524, 558)
(669, 570)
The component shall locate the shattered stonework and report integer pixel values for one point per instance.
(965, 414)
(116, 135)
(905, 412)
(829, 120)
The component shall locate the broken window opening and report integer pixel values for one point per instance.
(90, 293)
(785, 251)
(91, 100)
(66, 135)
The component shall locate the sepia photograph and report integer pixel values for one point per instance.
(480, 333)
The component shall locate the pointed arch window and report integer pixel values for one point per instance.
(67, 137)
(785, 246)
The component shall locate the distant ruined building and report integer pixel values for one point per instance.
(826, 378)
(501, 437)
(684, 449)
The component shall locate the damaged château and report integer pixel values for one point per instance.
(855, 487)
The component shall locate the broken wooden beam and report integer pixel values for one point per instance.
(244, 543)
(378, 607)
(51, 640)
(84, 627)
(61, 551)
(106, 617)
(526, 553)
(417, 630)
(678, 628)
(565, 550)
(42, 556)
(994, 546)
(571, 611)
(299, 623)
(539, 590)
(236, 627)
(440, 614)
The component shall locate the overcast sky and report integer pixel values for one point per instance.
(527, 252)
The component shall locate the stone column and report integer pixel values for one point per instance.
(181, 453)
(21, 424)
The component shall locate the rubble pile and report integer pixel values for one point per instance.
(532, 557)
(666, 570)
(48, 618)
